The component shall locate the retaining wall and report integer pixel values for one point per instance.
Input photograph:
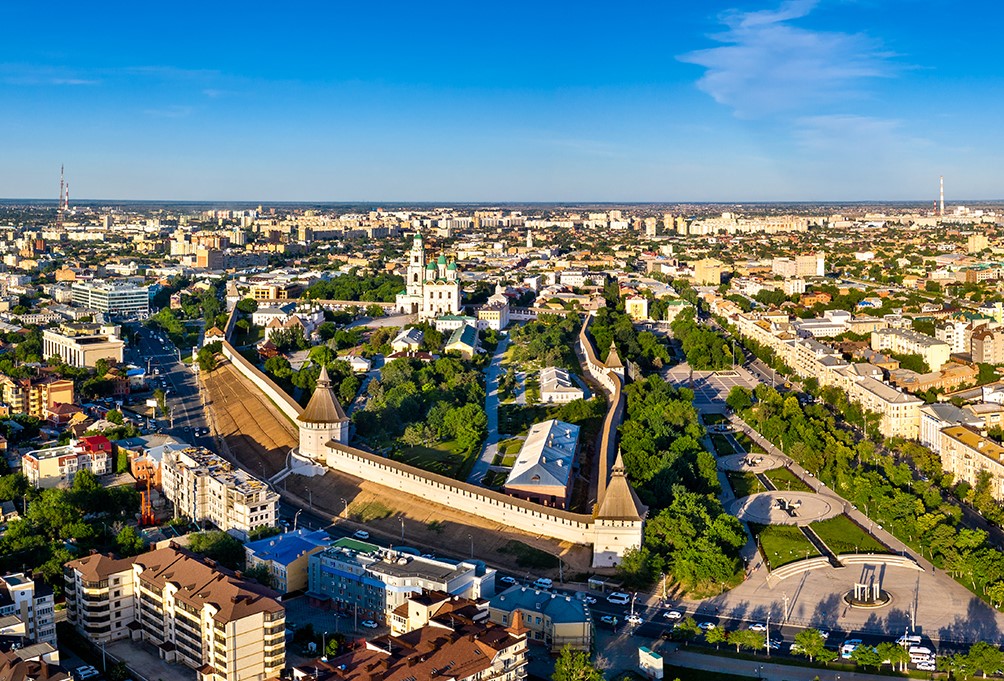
(287, 405)
(523, 515)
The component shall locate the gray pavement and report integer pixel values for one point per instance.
(490, 447)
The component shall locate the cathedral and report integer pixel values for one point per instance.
(433, 288)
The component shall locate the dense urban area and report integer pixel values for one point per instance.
(363, 443)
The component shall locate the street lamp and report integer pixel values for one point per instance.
(345, 508)
(401, 518)
(296, 517)
(310, 497)
(471, 538)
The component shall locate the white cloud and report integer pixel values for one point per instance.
(766, 65)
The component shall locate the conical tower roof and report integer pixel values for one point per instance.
(323, 406)
(614, 359)
(620, 502)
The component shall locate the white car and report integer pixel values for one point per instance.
(543, 583)
(506, 579)
(361, 534)
(634, 619)
(673, 615)
(758, 626)
(618, 598)
(588, 600)
(609, 619)
(705, 626)
(927, 666)
(369, 624)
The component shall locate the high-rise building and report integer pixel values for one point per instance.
(196, 614)
(31, 603)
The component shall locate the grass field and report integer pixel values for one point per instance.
(529, 557)
(744, 440)
(493, 479)
(842, 535)
(744, 484)
(370, 510)
(783, 544)
(442, 458)
(713, 419)
(515, 419)
(722, 445)
(784, 479)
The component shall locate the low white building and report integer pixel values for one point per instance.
(557, 386)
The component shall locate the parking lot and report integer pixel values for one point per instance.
(710, 387)
(145, 662)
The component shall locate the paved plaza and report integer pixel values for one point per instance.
(710, 387)
(750, 463)
(784, 508)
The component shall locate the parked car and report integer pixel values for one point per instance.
(673, 615)
(85, 672)
(634, 619)
(506, 579)
(758, 626)
(543, 583)
(369, 624)
(618, 598)
(361, 534)
(609, 619)
(705, 626)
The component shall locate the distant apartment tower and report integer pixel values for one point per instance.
(192, 612)
(708, 272)
(203, 486)
(800, 266)
(112, 298)
(35, 397)
(32, 604)
(82, 345)
(976, 243)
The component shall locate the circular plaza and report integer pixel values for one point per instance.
(749, 463)
(784, 508)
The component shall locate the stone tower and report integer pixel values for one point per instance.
(322, 421)
(619, 521)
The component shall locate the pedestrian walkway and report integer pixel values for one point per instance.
(761, 669)
(490, 448)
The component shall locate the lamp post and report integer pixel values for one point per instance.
(345, 508)
(470, 537)
(401, 518)
(324, 647)
(296, 517)
(310, 497)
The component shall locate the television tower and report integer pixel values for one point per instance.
(941, 211)
(59, 206)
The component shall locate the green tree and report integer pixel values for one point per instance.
(635, 568)
(866, 656)
(811, 644)
(985, 658)
(261, 574)
(574, 665)
(219, 546)
(717, 636)
(247, 305)
(739, 399)
(128, 542)
(747, 638)
(115, 416)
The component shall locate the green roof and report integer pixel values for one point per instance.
(356, 545)
(431, 266)
(442, 259)
(452, 266)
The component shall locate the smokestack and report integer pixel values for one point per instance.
(941, 211)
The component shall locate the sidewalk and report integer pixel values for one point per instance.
(490, 448)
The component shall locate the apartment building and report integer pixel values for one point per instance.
(35, 396)
(113, 298)
(552, 619)
(57, 466)
(370, 581)
(988, 345)
(82, 345)
(32, 604)
(813, 265)
(636, 307)
(708, 272)
(452, 646)
(936, 417)
(905, 342)
(966, 454)
(205, 487)
(900, 412)
(195, 613)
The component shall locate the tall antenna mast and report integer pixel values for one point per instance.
(59, 206)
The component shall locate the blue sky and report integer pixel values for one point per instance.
(631, 101)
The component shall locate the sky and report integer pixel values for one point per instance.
(798, 100)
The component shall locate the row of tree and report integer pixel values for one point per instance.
(689, 534)
(705, 349)
(381, 288)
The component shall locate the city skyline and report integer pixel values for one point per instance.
(730, 102)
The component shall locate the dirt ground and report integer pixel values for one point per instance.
(256, 432)
(454, 533)
(259, 436)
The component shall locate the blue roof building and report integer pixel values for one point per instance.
(285, 555)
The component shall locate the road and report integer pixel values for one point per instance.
(179, 382)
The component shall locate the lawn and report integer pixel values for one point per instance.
(744, 440)
(529, 557)
(516, 420)
(442, 457)
(722, 445)
(713, 419)
(494, 479)
(784, 479)
(842, 535)
(782, 544)
(744, 484)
